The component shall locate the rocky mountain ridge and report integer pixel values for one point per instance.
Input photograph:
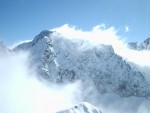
(63, 60)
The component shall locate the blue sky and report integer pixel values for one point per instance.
(23, 19)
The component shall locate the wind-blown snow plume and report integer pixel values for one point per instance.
(98, 35)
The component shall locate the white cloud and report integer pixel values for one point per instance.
(98, 34)
(110, 103)
(21, 92)
(127, 29)
(138, 57)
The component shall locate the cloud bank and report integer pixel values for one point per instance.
(21, 92)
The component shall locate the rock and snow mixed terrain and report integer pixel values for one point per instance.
(62, 60)
(145, 45)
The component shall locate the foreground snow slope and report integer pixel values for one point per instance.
(83, 107)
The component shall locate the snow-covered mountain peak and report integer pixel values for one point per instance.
(145, 45)
(83, 107)
(44, 33)
(41, 35)
(40, 41)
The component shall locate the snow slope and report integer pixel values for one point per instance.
(83, 107)
(63, 60)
